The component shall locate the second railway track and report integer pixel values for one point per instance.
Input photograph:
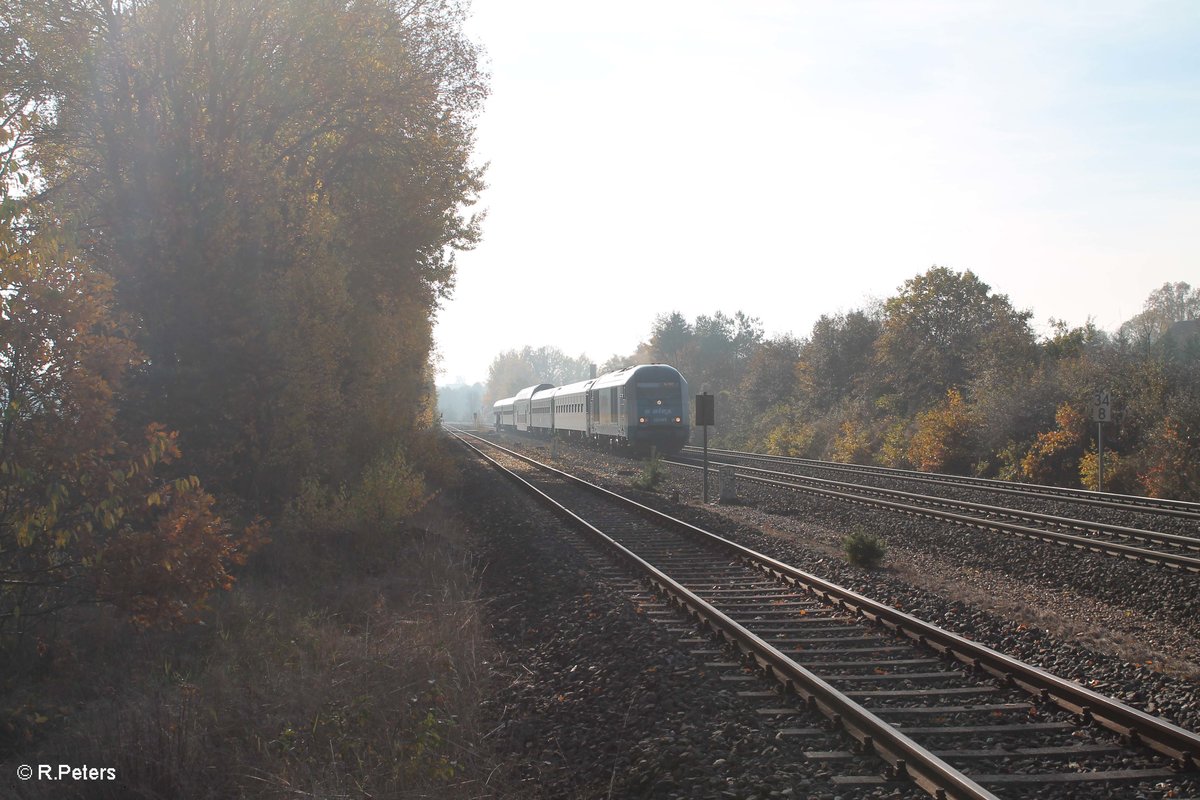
(1167, 549)
(958, 719)
(1151, 507)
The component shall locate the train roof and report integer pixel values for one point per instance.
(529, 391)
(571, 388)
(623, 376)
(508, 401)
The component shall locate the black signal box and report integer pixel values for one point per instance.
(706, 413)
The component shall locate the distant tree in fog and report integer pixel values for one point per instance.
(460, 403)
(713, 351)
(672, 341)
(1170, 303)
(513, 370)
(552, 365)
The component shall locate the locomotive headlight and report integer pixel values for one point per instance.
(679, 419)
(659, 402)
(642, 419)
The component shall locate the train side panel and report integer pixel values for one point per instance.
(541, 411)
(522, 405)
(503, 412)
(570, 409)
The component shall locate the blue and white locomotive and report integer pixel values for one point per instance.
(642, 407)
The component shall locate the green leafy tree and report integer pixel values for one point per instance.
(769, 382)
(724, 346)
(713, 354)
(836, 361)
(944, 329)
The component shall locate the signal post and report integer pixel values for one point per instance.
(705, 416)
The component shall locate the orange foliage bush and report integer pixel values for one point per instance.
(1172, 462)
(853, 443)
(941, 441)
(1055, 454)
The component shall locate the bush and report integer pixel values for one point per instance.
(864, 550)
(653, 473)
(389, 491)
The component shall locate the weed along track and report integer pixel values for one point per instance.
(918, 706)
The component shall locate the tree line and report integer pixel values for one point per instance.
(224, 228)
(946, 375)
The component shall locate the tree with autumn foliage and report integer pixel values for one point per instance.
(90, 511)
(277, 189)
(93, 509)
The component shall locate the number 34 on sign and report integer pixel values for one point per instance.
(1102, 407)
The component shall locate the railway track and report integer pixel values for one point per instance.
(1155, 547)
(1154, 506)
(958, 719)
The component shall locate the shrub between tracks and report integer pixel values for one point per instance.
(864, 550)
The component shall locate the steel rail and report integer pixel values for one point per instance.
(1124, 531)
(905, 756)
(1123, 502)
(1136, 726)
(1172, 560)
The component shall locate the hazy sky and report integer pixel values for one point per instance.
(795, 158)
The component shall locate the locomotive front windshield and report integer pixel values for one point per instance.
(659, 401)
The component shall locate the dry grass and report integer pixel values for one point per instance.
(343, 665)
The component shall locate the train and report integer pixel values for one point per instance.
(640, 407)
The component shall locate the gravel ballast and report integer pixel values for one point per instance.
(593, 700)
(657, 735)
